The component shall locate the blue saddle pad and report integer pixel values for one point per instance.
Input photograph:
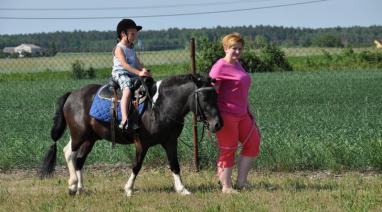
(101, 107)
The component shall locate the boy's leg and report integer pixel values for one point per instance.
(126, 95)
(125, 83)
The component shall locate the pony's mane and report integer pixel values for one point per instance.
(178, 79)
(182, 79)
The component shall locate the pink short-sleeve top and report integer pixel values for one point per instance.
(232, 85)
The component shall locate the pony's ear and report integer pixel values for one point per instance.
(198, 80)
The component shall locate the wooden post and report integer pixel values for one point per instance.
(194, 122)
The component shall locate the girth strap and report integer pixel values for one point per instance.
(113, 112)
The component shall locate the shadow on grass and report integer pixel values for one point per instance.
(294, 185)
(205, 188)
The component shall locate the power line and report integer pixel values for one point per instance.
(167, 15)
(134, 7)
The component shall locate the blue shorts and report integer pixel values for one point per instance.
(124, 78)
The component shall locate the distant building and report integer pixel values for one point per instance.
(27, 48)
(9, 50)
(378, 44)
(23, 49)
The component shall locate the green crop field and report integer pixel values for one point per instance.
(321, 151)
(308, 121)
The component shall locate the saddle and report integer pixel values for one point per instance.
(110, 94)
(113, 91)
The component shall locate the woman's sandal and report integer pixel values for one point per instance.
(243, 186)
(229, 191)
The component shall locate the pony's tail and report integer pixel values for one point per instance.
(58, 129)
(59, 123)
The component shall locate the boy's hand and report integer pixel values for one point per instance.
(144, 73)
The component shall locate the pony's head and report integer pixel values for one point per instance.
(204, 103)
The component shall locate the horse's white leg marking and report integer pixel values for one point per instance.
(80, 185)
(155, 97)
(179, 187)
(130, 185)
(69, 157)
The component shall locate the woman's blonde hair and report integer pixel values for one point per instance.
(231, 39)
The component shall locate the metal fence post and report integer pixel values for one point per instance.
(194, 122)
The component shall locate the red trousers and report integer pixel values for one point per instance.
(237, 129)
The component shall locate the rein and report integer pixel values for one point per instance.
(202, 117)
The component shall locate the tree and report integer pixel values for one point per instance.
(328, 40)
(207, 54)
(260, 41)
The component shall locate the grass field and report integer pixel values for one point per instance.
(64, 61)
(316, 51)
(21, 190)
(308, 121)
(321, 151)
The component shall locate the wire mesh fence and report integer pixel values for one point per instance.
(97, 60)
(62, 61)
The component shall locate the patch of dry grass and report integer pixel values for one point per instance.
(21, 190)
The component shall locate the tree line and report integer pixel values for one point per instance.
(175, 38)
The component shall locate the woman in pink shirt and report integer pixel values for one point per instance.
(232, 85)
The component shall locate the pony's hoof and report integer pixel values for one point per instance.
(80, 191)
(184, 192)
(72, 192)
(129, 192)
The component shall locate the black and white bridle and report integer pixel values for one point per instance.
(199, 112)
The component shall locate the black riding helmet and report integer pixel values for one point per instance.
(125, 24)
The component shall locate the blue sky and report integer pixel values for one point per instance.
(164, 14)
